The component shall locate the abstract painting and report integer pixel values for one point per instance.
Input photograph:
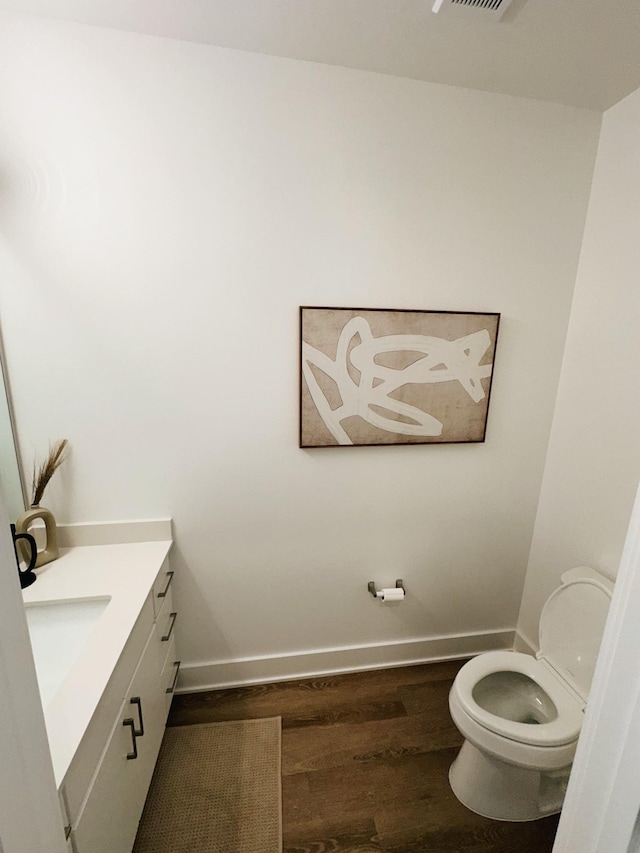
(378, 376)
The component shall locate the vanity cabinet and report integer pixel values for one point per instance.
(105, 788)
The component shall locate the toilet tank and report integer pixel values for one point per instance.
(572, 624)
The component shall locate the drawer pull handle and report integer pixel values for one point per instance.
(137, 701)
(176, 663)
(172, 616)
(166, 589)
(129, 722)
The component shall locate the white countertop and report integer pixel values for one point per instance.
(125, 575)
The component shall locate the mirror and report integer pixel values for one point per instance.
(10, 473)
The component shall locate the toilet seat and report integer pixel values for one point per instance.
(564, 729)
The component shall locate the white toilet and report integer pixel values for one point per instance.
(521, 716)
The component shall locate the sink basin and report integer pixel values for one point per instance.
(59, 630)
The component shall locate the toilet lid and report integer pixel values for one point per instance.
(571, 627)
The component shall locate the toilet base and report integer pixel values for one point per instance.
(501, 791)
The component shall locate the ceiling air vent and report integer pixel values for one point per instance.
(488, 10)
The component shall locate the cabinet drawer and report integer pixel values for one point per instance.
(161, 587)
(77, 779)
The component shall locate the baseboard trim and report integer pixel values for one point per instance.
(215, 675)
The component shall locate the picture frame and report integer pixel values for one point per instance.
(378, 376)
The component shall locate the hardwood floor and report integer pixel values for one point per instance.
(365, 760)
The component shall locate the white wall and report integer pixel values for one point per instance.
(165, 208)
(593, 465)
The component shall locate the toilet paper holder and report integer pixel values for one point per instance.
(374, 592)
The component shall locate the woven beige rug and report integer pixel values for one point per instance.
(216, 789)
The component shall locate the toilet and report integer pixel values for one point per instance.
(521, 715)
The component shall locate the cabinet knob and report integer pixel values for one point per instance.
(137, 701)
(129, 722)
(166, 589)
(172, 616)
(176, 663)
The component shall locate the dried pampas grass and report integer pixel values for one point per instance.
(44, 472)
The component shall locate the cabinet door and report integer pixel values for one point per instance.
(109, 821)
(78, 779)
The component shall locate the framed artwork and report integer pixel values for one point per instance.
(373, 376)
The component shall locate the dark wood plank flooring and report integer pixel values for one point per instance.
(365, 760)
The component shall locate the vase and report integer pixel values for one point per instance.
(50, 551)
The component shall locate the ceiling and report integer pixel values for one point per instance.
(580, 52)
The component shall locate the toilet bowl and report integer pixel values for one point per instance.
(521, 715)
